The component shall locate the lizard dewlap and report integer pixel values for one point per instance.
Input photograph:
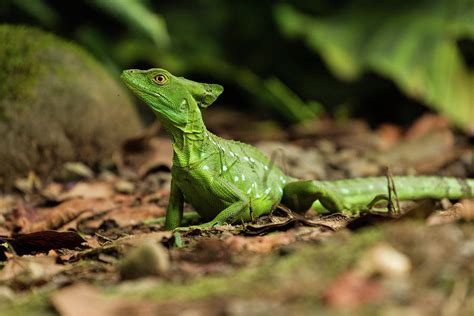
(228, 181)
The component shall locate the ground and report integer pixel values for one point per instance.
(96, 244)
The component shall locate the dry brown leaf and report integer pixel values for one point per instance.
(390, 134)
(126, 216)
(45, 241)
(426, 124)
(143, 154)
(88, 190)
(27, 271)
(424, 154)
(462, 210)
(468, 210)
(37, 219)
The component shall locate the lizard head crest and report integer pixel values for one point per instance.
(172, 98)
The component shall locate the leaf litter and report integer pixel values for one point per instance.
(84, 242)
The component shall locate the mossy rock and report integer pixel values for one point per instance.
(57, 104)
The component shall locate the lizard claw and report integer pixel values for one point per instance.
(195, 227)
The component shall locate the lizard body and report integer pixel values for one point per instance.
(227, 181)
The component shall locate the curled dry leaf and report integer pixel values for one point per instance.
(45, 241)
(124, 216)
(459, 211)
(90, 190)
(28, 220)
(141, 155)
(426, 124)
(27, 271)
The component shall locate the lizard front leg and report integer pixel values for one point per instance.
(226, 191)
(174, 212)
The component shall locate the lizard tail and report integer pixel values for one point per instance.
(362, 191)
(357, 194)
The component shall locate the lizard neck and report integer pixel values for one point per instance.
(188, 141)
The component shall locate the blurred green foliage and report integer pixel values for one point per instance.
(415, 46)
(374, 59)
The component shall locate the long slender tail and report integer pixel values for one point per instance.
(355, 194)
(361, 191)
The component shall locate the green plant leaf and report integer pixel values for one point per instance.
(415, 46)
(139, 17)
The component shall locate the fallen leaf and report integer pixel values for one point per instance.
(142, 155)
(291, 219)
(390, 134)
(89, 190)
(44, 241)
(424, 154)
(425, 124)
(463, 210)
(124, 216)
(27, 271)
(29, 219)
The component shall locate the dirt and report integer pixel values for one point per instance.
(96, 245)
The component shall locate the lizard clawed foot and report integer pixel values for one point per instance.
(200, 227)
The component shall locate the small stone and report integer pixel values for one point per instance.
(148, 259)
(385, 260)
(124, 186)
(72, 171)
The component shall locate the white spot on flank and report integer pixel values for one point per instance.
(243, 177)
(371, 186)
(265, 167)
(246, 158)
(205, 167)
(232, 154)
(249, 190)
(258, 195)
(344, 191)
(236, 178)
(281, 190)
(267, 191)
(224, 167)
(252, 160)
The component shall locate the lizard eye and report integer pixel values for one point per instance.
(160, 79)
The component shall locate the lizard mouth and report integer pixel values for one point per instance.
(137, 87)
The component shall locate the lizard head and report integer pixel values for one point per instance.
(174, 99)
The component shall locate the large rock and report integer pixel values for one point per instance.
(57, 104)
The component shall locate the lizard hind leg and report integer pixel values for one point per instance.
(299, 196)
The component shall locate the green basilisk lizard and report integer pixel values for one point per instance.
(227, 181)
